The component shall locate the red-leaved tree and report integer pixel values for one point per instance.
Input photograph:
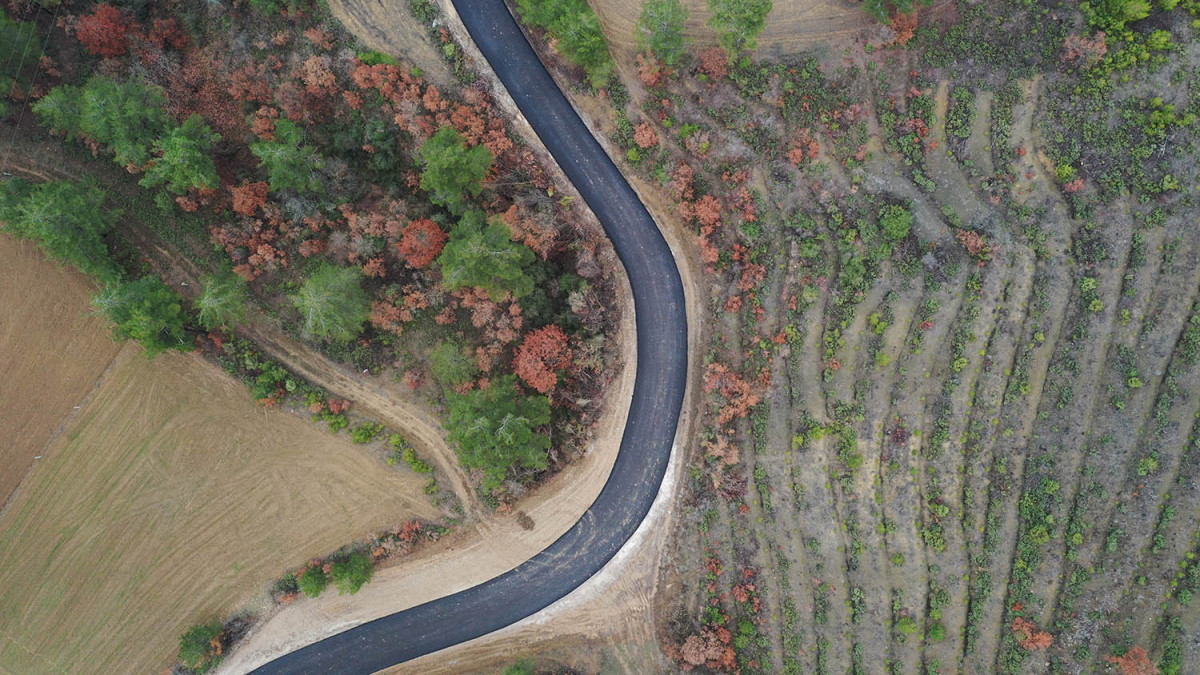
(541, 353)
(104, 32)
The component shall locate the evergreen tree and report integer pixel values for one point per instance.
(496, 430)
(289, 164)
(127, 117)
(451, 364)
(68, 221)
(184, 163)
(20, 48)
(482, 254)
(124, 117)
(222, 303)
(146, 311)
(332, 303)
(451, 170)
(577, 29)
(738, 22)
(660, 29)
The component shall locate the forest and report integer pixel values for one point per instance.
(395, 223)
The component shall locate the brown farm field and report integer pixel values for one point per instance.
(40, 387)
(791, 25)
(170, 497)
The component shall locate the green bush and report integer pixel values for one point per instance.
(895, 221)
(521, 667)
(350, 573)
(197, 650)
(366, 432)
(313, 581)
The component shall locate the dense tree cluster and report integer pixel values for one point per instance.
(362, 202)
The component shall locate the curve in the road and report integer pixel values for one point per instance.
(654, 412)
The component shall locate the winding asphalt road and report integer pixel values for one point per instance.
(653, 416)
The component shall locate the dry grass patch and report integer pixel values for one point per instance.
(173, 498)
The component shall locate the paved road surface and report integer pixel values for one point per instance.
(653, 417)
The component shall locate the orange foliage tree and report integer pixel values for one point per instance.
(1134, 662)
(714, 63)
(248, 198)
(644, 136)
(421, 243)
(541, 353)
(1029, 636)
(905, 26)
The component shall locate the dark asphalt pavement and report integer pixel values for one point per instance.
(653, 417)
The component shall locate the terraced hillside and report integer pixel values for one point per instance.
(952, 386)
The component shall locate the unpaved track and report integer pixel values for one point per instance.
(650, 429)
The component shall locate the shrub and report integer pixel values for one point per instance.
(313, 581)
(351, 573)
(366, 432)
(200, 646)
(895, 221)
